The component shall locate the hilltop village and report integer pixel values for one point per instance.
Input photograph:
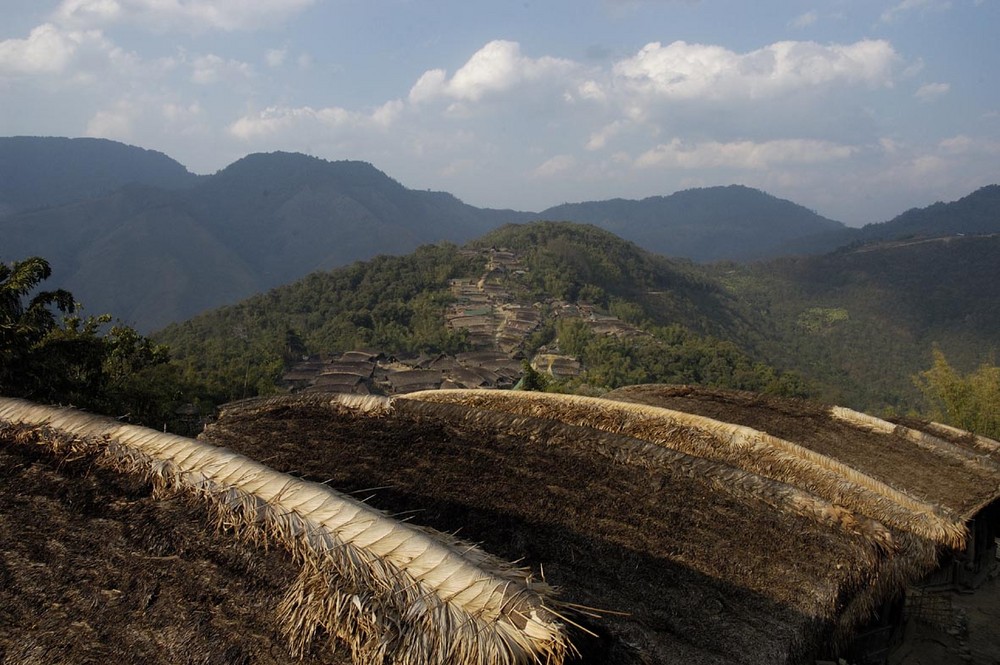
(498, 323)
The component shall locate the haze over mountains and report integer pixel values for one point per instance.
(132, 232)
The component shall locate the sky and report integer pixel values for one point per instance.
(857, 109)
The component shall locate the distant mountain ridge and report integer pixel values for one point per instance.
(37, 172)
(156, 254)
(975, 214)
(706, 224)
(132, 232)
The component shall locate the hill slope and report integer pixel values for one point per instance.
(153, 256)
(709, 224)
(856, 324)
(975, 214)
(862, 321)
(42, 172)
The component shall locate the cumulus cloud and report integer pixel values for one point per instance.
(963, 144)
(275, 57)
(931, 91)
(695, 71)
(742, 154)
(496, 67)
(46, 50)
(115, 122)
(187, 15)
(282, 120)
(600, 138)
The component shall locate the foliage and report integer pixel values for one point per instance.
(857, 323)
(585, 264)
(391, 303)
(23, 324)
(75, 361)
(671, 354)
(970, 402)
(532, 379)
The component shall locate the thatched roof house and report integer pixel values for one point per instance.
(670, 536)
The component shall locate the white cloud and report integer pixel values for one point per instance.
(275, 57)
(277, 121)
(963, 144)
(555, 166)
(187, 15)
(114, 123)
(804, 20)
(388, 113)
(696, 71)
(906, 6)
(46, 50)
(430, 85)
(742, 154)
(496, 67)
(931, 91)
(592, 91)
(209, 69)
(599, 138)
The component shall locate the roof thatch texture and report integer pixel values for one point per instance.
(697, 540)
(931, 462)
(708, 562)
(391, 592)
(736, 445)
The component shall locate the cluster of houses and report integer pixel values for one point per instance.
(373, 372)
(497, 326)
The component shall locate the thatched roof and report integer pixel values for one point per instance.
(931, 462)
(695, 542)
(388, 591)
(95, 568)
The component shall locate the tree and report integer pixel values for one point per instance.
(80, 361)
(970, 402)
(24, 323)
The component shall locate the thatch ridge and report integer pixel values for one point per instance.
(954, 473)
(925, 440)
(983, 443)
(393, 592)
(595, 510)
(719, 476)
(750, 449)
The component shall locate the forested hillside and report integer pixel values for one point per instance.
(668, 321)
(975, 214)
(862, 321)
(853, 327)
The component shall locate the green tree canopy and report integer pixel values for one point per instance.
(970, 402)
(76, 360)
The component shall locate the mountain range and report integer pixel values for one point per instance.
(133, 232)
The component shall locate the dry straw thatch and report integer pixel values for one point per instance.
(736, 445)
(971, 458)
(394, 593)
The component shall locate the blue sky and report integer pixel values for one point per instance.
(858, 109)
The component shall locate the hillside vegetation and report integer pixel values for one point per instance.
(862, 321)
(853, 327)
(673, 322)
